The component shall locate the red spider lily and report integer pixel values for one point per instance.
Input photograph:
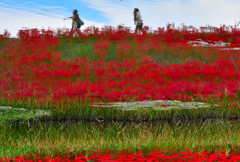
(101, 49)
(30, 66)
(159, 155)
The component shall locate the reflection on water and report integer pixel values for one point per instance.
(68, 124)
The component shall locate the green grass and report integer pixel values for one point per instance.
(178, 57)
(79, 48)
(74, 48)
(3, 43)
(83, 110)
(52, 139)
(71, 49)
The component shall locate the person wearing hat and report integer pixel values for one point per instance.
(137, 20)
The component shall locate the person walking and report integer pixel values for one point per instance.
(76, 21)
(137, 20)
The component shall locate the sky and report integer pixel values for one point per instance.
(22, 14)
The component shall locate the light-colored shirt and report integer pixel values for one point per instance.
(139, 18)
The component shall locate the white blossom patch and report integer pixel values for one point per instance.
(154, 105)
(10, 113)
(201, 43)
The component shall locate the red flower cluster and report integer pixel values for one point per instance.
(139, 156)
(6, 34)
(31, 67)
(101, 49)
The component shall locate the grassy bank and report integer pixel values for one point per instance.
(52, 139)
(49, 85)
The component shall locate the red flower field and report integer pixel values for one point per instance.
(32, 67)
(152, 156)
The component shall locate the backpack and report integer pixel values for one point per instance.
(79, 23)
